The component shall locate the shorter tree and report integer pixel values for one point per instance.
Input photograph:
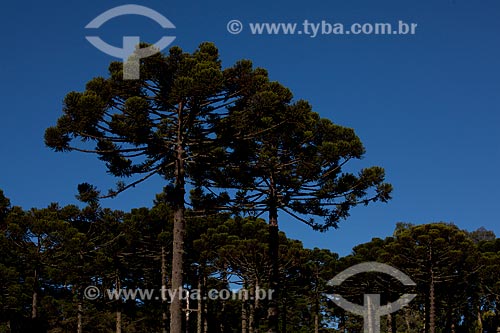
(442, 259)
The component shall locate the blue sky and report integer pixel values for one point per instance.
(427, 106)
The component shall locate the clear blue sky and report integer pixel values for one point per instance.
(427, 107)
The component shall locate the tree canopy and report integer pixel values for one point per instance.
(220, 131)
(51, 255)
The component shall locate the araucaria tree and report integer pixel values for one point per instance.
(284, 157)
(195, 124)
(162, 124)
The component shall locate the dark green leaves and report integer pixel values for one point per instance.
(57, 139)
(87, 193)
(133, 123)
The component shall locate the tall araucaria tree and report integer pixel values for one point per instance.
(284, 157)
(161, 124)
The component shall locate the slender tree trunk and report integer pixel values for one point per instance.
(205, 310)
(273, 310)
(316, 302)
(199, 317)
(225, 283)
(34, 299)
(118, 305)
(432, 305)
(118, 321)
(164, 300)
(79, 318)
(177, 262)
(244, 312)
(179, 230)
(199, 313)
(252, 307)
(188, 313)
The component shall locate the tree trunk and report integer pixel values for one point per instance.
(34, 306)
(177, 262)
(199, 313)
(164, 300)
(316, 302)
(205, 310)
(273, 310)
(188, 313)
(118, 321)
(79, 324)
(179, 230)
(225, 283)
(34, 299)
(244, 313)
(252, 307)
(432, 305)
(118, 286)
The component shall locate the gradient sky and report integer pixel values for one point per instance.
(427, 107)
